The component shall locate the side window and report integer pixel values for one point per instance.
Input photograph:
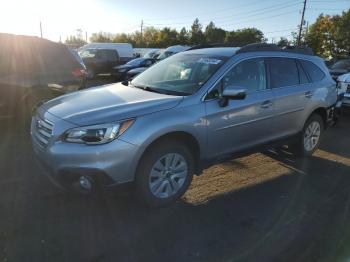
(302, 75)
(112, 55)
(283, 71)
(314, 72)
(249, 74)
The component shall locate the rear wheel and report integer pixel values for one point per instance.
(164, 174)
(310, 138)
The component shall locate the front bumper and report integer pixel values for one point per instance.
(63, 163)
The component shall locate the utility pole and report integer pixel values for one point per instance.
(301, 24)
(86, 36)
(141, 33)
(41, 30)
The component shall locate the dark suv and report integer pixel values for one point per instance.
(32, 70)
(98, 60)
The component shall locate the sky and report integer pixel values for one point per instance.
(61, 18)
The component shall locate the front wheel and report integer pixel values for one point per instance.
(310, 138)
(164, 174)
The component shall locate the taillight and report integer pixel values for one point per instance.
(78, 72)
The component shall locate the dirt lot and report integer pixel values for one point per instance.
(264, 207)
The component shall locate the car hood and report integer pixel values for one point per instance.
(108, 103)
(337, 71)
(138, 70)
(123, 67)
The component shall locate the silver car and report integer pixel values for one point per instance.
(185, 113)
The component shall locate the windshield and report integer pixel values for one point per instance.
(152, 54)
(135, 62)
(165, 54)
(342, 65)
(88, 53)
(183, 73)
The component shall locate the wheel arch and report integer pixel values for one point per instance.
(184, 137)
(321, 111)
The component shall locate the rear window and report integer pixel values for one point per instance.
(283, 71)
(314, 72)
(31, 55)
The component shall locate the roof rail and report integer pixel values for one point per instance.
(210, 46)
(258, 47)
(305, 50)
(272, 47)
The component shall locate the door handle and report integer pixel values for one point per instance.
(266, 104)
(308, 94)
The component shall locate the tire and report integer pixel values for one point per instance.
(307, 143)
(152, 187)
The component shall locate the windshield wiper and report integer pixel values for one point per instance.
(147, 88)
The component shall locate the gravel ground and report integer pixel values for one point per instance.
(264, 207)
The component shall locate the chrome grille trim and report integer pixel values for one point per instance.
(43, 131)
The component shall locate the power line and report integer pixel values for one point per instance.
(254, 12)
(209, 12)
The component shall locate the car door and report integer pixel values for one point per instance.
(292, 91)
(241, 123)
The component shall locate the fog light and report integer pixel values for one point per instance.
(85, 183)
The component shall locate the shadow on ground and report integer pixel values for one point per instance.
(300, 214)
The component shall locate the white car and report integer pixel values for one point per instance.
(344, 88)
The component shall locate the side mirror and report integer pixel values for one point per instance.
(232, 93)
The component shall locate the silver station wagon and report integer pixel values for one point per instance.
(183, 114)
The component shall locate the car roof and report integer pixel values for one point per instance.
(218, 51)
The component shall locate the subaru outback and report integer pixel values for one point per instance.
(183, 114)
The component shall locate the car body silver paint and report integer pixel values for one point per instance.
(217, 130)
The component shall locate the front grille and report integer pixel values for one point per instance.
(348, 89)
(43, 131)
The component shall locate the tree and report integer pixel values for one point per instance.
(167, 37)
(75, 41)
(150, 35)
(245, 36)
(102, 37)
(197, 36)
(341, 33)
(183, 36)
(214, 34)
(320, 36)
(121, 38)
(283, 42)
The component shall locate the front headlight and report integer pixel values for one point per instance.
(96, 134)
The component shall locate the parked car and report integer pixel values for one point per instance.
(153, 54)
(99, 61)
(171, 50)
(181, 115)
(340, 67)
(344, 89)
(134, 72)
(33, 69)
(120, 72)
(125, 50)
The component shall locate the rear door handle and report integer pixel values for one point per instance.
(308, 94)
(266, 104)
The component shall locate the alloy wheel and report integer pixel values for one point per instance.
(168, 175)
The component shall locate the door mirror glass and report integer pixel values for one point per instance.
(234, 93)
